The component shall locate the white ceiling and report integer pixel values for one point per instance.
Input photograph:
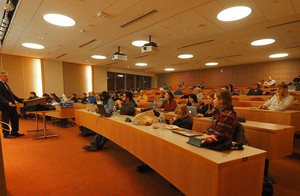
(230, 45)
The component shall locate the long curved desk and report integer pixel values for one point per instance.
(195, 171)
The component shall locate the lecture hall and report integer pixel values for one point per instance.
(79, 79)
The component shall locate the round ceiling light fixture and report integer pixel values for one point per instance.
(211, 64)
(98, 57)
(234, 13)
(279, 55)
(33, 46)
(139, 43)
(59, 20)
(262, 42)
(141, 64)
(185, 56)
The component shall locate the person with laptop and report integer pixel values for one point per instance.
(125, 106)
(193, 101)
(169, 103)
(208, 110)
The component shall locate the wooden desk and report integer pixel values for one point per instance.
(276, 139)
(195, 171)
(286, 117)
(295, 106)
(63, 113)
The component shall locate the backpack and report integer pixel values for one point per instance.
(267, 188)
(85, 132)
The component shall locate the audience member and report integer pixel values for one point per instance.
(225, 87)
(182, 119)
(178, 91)
(193, 101)
(54, 98)
(74, 98)
(115, 96)
(201, 85)
(48, 99)
(92, 98)
(165, 87)
(142, 97)
(198, 93)
(297, 83)
(107, 101)
(32, 96)
(182, 85)
(224, 121)
(282, 100)
(270, 82)
(169, 104)
(231, 90)
(208, 110)
(255, 90)
(161, 97)
(84, 98)
(126, 108)
(138, 89)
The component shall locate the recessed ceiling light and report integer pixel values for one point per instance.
(33, 46)
(59, 20)
(211, 64)
(141, 64)
(121, 76)
(169, 69)
(185, 56)
(234, 13)
(279, 55)
(98, 57)
(139, 43)
(262, 42)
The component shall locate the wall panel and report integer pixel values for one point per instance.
(100, 79)
(71, 79)
(53, 77)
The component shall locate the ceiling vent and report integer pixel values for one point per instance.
(138, 57)
(223, 57)
(286, 23)
(112, 63)
(87, 43)
(197, 43)
(291, 47)
(61, 55)
(138, 18)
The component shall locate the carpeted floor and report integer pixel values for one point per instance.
(59, 166)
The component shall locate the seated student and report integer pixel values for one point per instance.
(255, 90)
(92, 99)
(115, 96)
(165, 87)
(297, 84)
(225, 87)
(182, 120)
(198, 93)
(142, 97)
(231, 90)
(54, 98)
(270, 82)
(282, 100)
(74, 98)
(178, 91)
(84, 98)
(126, 107)
(208, 110)
(182, 85)
(161, 97)
(48, 99)
(224, 121)
(201, 85)
(138, 89)
(32, 95)
(169, 104)
(193, 101)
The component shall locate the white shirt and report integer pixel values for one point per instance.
(272, 82)
(199, 96)
(286, 102)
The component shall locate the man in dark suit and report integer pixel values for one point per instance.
(8, 108)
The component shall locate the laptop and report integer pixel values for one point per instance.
(153, 105)
(102, 111)
(192, 110)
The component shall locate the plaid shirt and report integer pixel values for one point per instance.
(223, 123)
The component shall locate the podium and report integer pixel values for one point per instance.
(41, 100)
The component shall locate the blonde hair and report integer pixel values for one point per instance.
(181, 109)
(211, 95)
(225, 95)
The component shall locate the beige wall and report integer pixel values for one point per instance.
(53, 77)
(241, 75)
(100, 79)
(163, 78)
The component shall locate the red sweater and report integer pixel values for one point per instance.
(169, 106)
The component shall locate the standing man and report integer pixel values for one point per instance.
(8, 108)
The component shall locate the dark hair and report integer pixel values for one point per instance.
(129, 95)
(33, 93)
(171, 96)
(296, 80)
(211, 95)
(53, 94)
(105, 96)
(258, 85)
(231, 87)
(45, 95)
(225, 86)
(84, 94)
(74, 94)
(283, 85)
(194, 97)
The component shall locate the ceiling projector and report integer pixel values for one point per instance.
(150, 47)
(119, 55)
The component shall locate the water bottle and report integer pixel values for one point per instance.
(162, 121)
(114, 111)
(240, 92)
